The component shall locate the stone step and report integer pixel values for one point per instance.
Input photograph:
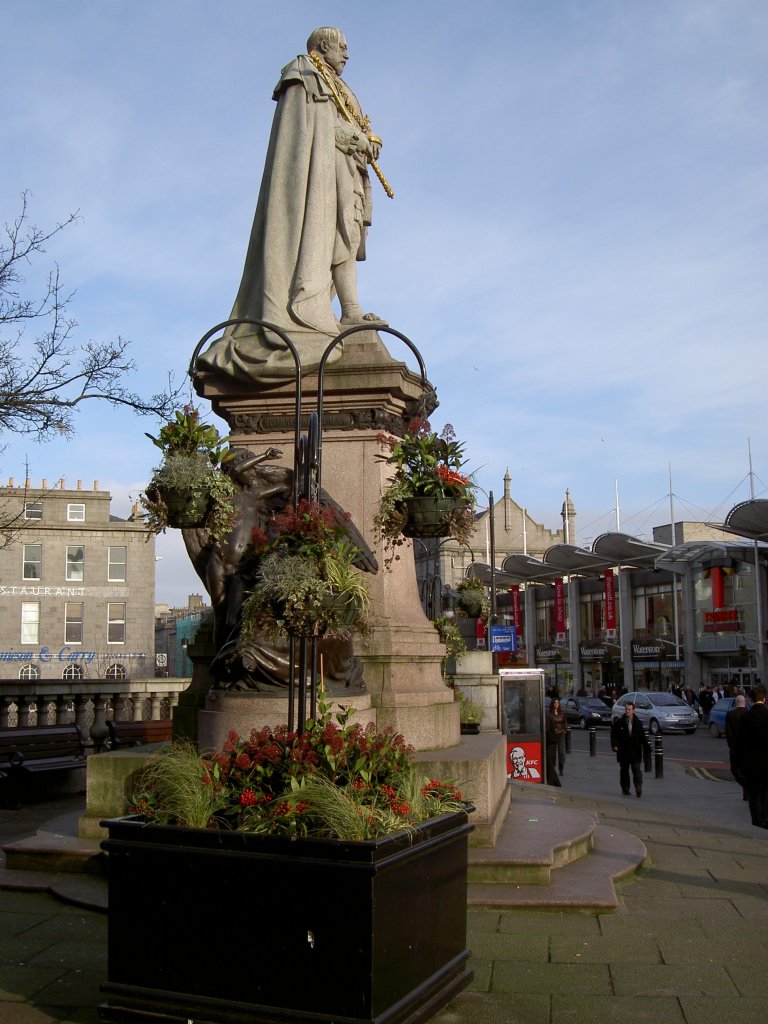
(54, 852)
(546, 856)
(536, 838)
(553, 857)
(79, 890)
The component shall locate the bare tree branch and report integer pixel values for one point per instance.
(44, 380)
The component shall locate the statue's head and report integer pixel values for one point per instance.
(331, 45)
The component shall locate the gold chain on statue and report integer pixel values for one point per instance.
(349, 111)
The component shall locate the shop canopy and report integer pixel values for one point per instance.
(522, 568)
(608, 551)
(571, 559)
(623, 549)
(482, 571)
(748, 519)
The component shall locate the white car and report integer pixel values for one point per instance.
(659, 712)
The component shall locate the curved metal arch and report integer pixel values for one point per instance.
(356, 329)
(297, 363)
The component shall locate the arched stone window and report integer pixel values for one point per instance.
(72, 672)
(30, 671)
(115, 671)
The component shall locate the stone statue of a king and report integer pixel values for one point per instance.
(311, 220)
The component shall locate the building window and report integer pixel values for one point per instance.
(73, 622)
(116, 565)
(33, 561)
(76, 512)
(115, 623)
(30, 622)
(75, 564)
(30, 671)
(33, 510)
(72, 672)
(115, 671)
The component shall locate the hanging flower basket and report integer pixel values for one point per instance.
(471, 607)
(185, 509)
(472, 601)
(427, 496)
(431, 515)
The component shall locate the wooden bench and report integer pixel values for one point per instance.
(31, 750)
(134, 734)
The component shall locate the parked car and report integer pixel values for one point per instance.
(718, 713)
(586, 711)
(659, 712)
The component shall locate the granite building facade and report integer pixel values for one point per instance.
(77, 586)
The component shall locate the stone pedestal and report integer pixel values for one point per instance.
(475, 677)
(367, 392)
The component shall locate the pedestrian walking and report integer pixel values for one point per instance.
(706, 702)
(630, 743)
(550, 745)
(560, 729)
(732, 720)
(752, 756)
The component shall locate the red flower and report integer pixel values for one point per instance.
(247, 798)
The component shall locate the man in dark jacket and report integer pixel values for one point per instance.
(752, 756)
(732, 720)
(629, 741)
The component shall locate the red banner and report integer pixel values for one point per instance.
(559, 607)
(610, 599)
(514, 607)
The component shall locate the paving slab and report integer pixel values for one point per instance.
(574, 1009)
(711, 1010)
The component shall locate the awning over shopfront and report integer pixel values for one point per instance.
(747, 519)
(682, 557)
(623, 549)
(526, 569)
(571, 559)
(482, 571)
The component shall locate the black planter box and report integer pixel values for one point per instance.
(227, 927)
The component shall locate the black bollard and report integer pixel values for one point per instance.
(567, 741)
(647, 758)
(658, 751)
(593, 742)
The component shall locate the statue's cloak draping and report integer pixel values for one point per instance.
(312, 206)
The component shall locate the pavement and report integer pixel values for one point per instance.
(687, 943)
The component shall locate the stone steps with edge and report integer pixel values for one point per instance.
(549, 856)
(546, 856)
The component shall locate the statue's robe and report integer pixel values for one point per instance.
(312, 213)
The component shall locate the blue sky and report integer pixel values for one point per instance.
(577, 243)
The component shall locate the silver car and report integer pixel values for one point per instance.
(659, 712)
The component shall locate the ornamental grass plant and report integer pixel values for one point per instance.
(336, 780)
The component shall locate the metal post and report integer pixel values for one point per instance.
(567, 741)
(659, 756)
(593, 742)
